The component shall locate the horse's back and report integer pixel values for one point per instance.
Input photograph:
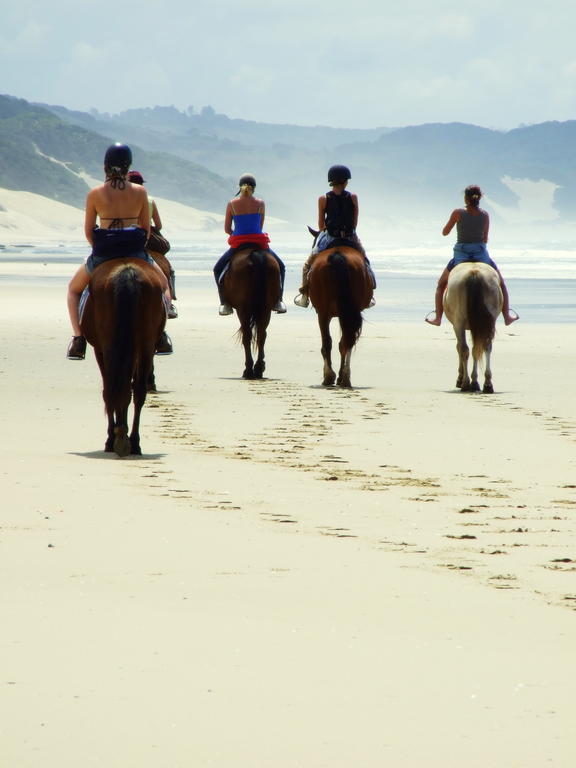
(465, 278)
(107, 291)
(242, 281)
(324, 278)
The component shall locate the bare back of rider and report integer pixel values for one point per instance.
(117, 207)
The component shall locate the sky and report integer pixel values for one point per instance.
(344, 63)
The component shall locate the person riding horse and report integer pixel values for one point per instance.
(472, 224)
(157, 245)
(243, 223)
(124, 214)
(337, 222)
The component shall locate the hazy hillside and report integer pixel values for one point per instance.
(39, 152)
(405, 172)
(402, 175)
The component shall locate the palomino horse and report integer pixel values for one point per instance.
(251, 285)
(123, 318)
(473, 301)
(339, 286)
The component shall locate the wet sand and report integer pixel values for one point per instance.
(289, 575)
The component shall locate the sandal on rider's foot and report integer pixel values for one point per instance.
(77, 348)
(164, 345)
(432, 318)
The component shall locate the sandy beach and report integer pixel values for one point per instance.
(289, 575)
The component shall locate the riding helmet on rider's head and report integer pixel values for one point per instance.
(117, 161)
(338, 174)
(136, 177)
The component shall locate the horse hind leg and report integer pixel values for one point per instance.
(488, 387)
(122, 445)
(329, 373)
(463, 380)
(474, 386)
(247, 344)
(260, 365)
(343, 379)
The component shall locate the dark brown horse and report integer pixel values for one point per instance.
(166, 267)
(123, 318)
(252, 286)
(339, 286)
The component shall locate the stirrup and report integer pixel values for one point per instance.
(225, 309)
(431, 316)
(372, 303)
(164, 345)
(279, 307)
(76, 348)
(172, 313)
(302, 300)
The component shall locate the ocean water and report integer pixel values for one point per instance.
(541, 283)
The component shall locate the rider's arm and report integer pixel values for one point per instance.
(144, 215)
(454, 217)
(355, 204)
(262, 211)
(156, 220)
(228, 220)
(90, 216)
(486, 227)
(321, 212)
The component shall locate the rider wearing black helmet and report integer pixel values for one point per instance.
(122, 208)
(337, 222)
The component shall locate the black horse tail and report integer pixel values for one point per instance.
(349, 315)
(259, 261)
(481, 321)
(121, 355)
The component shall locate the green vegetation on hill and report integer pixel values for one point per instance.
(41, 153)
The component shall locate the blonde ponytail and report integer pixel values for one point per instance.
(246, 189)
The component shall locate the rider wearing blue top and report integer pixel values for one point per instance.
(472, 224)
(243, 223)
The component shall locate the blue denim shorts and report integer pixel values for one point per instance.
(470, 252)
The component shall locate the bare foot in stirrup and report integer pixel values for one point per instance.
(432, 318)
(511, 317)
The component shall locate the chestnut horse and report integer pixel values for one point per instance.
(123, 318)
(251, 285)
(473, 301)
(339, 286)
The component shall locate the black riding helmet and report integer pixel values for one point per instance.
(247, 178)
(118, 156)
(337, 174)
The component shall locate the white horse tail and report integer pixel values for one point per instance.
(481, 321)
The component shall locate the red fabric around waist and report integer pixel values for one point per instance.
(259, 238)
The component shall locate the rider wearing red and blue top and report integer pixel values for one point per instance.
(243, 224)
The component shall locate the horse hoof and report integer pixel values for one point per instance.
(465, 388)
(474, 387)
(488, 389)
(248, 375)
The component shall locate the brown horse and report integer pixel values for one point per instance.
(123, 319)
(339, 286)
(252, 286)
(473, 301)
(166, 267)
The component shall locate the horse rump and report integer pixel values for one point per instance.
(349, 314)
(481, 320)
